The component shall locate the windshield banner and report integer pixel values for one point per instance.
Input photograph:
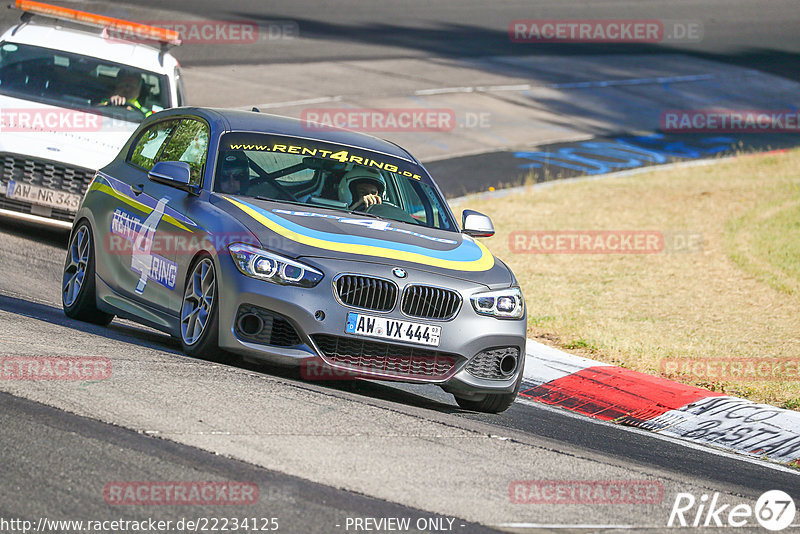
(322, 150)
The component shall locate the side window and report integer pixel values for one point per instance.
(439, 220)
(150, 143)
(189, 143)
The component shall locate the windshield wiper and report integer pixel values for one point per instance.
(295, 202)
(298, 203)
(365, 214)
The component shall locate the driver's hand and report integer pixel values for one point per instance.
(117, 100)
(371, 200)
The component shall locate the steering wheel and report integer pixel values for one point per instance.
(384, 203)
(128, 107)
(123, 109)
(390, 211)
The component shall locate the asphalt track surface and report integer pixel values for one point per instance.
(86, 455)
(474, 174)
(750, 33)
(55, 463)
(745, 33)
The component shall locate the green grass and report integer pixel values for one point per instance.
(765, 241)
(735, 296)
(581, 344)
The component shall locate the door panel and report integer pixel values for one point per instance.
(137, 212)
(189, 144)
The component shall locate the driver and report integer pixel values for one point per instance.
(126, 93)
(234, 176)
(362, 187)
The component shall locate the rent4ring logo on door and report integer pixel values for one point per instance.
(774, 510)
(150, 266)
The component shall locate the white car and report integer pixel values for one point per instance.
(66, 102)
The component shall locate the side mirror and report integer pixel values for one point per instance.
(175, 173)
(476, 224)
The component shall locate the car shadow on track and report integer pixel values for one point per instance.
(131, 333)
(127, 333)
(361, 387)
(56, 237)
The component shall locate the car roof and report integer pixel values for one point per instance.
(92, 43)
(251, 121)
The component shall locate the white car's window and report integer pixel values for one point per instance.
(81, 82)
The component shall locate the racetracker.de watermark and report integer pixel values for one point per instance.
(175, 493)
(749, 369)
(586, 492)
(83, 368)
(603, 241)
(49, 120)
(604, 31)
(730, 121)
(128, 235)
(384, 119)
(234, 32)
(313, 369)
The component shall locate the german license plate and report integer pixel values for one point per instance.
(386, 328)
(42, 196)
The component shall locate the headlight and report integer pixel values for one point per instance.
(504, 303)
(257, 263)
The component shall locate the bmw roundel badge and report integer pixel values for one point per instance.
(399, 273)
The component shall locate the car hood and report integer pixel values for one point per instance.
(59, 134)
(306, 231)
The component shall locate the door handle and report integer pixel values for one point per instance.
(137, 189)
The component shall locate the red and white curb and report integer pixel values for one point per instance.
(630, 398)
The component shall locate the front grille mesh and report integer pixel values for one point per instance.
(47, 174)
(428, 302)
(366, 292)
(276, 331)
(486, 364)
(385, 358)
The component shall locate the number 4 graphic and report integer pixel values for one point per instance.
(142, 256)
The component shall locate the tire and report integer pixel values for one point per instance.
(200, 309)
(492, 402)
(78, 284)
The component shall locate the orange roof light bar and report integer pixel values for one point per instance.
(122, 26)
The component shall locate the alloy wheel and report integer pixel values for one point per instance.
(75, 270)
(198, 301)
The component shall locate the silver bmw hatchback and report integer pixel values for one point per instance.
(248, 234)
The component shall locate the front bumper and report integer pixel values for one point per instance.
(48, 174)
(317, 315)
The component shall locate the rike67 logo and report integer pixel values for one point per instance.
(774, 510)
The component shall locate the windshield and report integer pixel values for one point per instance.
(81, 82)
(325, 175)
